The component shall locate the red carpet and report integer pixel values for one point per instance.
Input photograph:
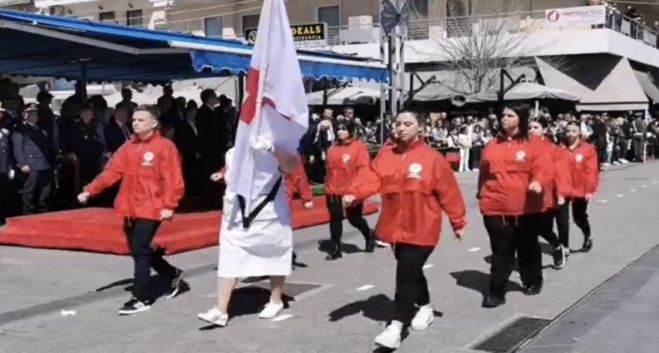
(100, 229)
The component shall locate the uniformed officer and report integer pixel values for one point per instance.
(6, 162)
(35, 160)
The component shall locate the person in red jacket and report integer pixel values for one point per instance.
(417, 185)
(345, 159)
(298, 183)
(149, 168)
(585, 181)
(555, 192)
(513, 170)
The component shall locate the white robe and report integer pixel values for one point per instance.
(265, 248)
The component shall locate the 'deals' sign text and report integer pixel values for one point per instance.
(315, 32)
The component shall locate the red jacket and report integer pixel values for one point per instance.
(416, 185)
(585, 170)
(343, 164)
(507, 168)
(297, 182)
(560, 183)
(151, 179)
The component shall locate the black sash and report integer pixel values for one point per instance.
(247, 221)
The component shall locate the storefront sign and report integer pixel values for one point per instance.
(576, 16)
(313, 32)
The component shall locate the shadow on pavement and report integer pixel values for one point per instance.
(480, 281)
(378, 308)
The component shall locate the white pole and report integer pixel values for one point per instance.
(266, 15)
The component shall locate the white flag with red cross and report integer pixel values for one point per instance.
(276, 105)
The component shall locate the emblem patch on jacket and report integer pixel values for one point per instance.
(346, 158)
(414, 170)
(147, 159)
(520, 156)
(578, 157)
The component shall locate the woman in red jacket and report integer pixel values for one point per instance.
(585, 180)
(417, 185)
(149, 168)
(555, 192)
(513, 170)
(344, 161)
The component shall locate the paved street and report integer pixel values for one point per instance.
(343, 314)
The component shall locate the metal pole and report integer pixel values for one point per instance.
(392, 76)
(325, 95)
(241, 92)
(83, 80)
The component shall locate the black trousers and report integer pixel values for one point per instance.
(510, 235)
(580, 215)
(140, 233)
(37, 192)
(546, 228)
(354, 215)
(411, 284)
(563, 223)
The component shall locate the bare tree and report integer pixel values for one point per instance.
(476, 48)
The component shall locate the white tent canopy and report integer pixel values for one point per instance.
(352, 95)
(526, 91)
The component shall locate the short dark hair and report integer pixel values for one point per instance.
(207, 94)
(153, 110)
(420, 118)
(542, 121)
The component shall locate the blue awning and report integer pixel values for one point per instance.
(52, 46)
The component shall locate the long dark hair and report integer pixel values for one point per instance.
(522, 110)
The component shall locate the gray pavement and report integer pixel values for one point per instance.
(348, 309)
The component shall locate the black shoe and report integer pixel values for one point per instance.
(559, 257)
(532, 289)
(370, 245)
(335, 253)
(492, 301)
(587, 245)
(134, 306)
(174, 285)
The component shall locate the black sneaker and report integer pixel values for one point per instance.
(134, 306)
(559, 257)
(370, 245)
(174, 285)
(532, 289)
(587, 245)
(492, 301)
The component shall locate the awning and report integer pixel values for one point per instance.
(52, 46)
(346, 96)
(647, 82)
(526, 91)
(450, 83)
(604, 82)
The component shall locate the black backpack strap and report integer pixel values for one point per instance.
(247, 221)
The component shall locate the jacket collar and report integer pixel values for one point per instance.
(136, 139)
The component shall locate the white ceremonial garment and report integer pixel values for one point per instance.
(263, 249)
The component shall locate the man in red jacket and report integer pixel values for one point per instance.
(149, 168)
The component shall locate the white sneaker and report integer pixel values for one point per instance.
(391, 336)
(423, 318)
(215, 317)
(271, 310)
(381, 244)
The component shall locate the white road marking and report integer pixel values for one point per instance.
(602, 201)
(474, 249)
(427, 266)
(283, 317)
(620, 195)
(645, 186)
(632, 190)
(68, 313)
(365, 287)
(655, 182)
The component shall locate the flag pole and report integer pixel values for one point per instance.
(266, 15)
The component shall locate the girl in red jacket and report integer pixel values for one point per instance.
(149, 168)
(555, 192)
(513, 170)
(417, 185)
(345, 159)
(585, 180)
